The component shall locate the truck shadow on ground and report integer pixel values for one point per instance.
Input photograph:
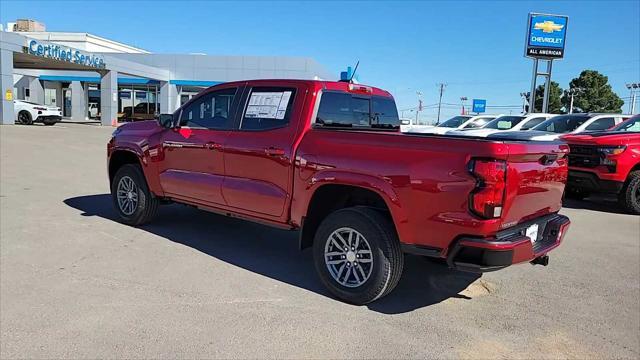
(274, 253)
(595, 203)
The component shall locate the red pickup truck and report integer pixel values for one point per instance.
(607, 162)
(327, 159)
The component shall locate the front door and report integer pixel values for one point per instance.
(258, 157)
(193, 167)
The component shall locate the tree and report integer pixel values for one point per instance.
(593, 94)
(555, 98)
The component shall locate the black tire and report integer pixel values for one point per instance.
(576, 194)
(24, 118)
(387, 257)
(146, 205)
(630, 196)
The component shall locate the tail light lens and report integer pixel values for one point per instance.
(487, 199)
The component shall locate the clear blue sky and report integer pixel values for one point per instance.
(476, 47)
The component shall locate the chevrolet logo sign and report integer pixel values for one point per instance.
(548, 26)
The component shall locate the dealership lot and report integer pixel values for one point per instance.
(76, 283)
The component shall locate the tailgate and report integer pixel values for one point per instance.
(536, 176)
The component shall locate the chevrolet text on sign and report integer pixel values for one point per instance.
(546, 36)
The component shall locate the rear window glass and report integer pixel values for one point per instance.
(504, 122)
(532, 122)
(478, 123)
(455, 121)
(602, 124)
(562, 123)
(356, 111)
(631, 126)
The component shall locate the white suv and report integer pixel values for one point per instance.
(455, 123)
(27, 113)
(577, 123)
(508, 122)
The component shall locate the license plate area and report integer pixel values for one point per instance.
(532, 233)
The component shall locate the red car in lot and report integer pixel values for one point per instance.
(607, 162)
(327, 159)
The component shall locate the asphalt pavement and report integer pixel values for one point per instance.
(75, 283)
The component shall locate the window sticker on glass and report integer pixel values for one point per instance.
(268, 105)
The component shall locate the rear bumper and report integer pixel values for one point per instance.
(52, 118)
(508, 247)
(591, 182)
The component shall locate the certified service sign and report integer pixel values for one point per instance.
(546, 35)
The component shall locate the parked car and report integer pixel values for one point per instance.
(509, 123)
(327, 159)
(142, 111)
(93, 110)
(28, 113)
(577, 123)
(455, 123)
(607, 162)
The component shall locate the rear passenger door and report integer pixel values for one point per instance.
(258, 156)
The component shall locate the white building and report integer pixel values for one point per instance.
(89, 76)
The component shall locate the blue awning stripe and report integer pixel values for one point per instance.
(194, 82)
(96, 79)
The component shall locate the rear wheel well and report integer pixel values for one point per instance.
(120, 158)
(329, 198)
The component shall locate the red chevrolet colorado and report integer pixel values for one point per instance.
(607, 162)
(327, 159)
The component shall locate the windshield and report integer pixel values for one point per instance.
(504, 122)
(455, 121)
(562, 124)
(632, 125)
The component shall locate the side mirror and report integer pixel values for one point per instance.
(166, 121)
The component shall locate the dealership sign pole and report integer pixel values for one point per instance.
(545, 41)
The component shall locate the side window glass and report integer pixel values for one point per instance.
(601, 124)
(268, 108)
(210, 111)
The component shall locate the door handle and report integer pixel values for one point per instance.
(274, 151)
(213, 146)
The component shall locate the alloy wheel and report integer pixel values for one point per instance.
(348, 257)
(127, 194)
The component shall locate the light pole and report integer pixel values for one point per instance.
(525, 96)
(634, 90)
(462, 100)
(441, 86)
(419, 108)
(572, 93)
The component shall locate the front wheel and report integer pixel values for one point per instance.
(357, 254)
(131, 196)
(630, 195)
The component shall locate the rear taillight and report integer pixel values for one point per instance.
(487, 199)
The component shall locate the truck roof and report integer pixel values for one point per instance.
(322, 84)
